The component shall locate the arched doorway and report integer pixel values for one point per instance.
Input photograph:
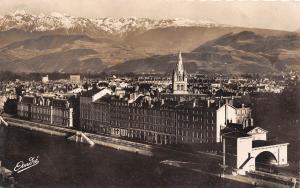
(265, 161)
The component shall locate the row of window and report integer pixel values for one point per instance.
(195, 134)
(195, 126)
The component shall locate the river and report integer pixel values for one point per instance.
(64, 163)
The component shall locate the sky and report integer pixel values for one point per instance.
(281, 14)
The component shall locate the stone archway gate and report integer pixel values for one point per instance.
(278, 150)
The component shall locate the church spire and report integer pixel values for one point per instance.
(179, 56)
(179, 64)
(179, 81)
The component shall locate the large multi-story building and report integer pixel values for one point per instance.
(230, 113)
(116, 116)
(149, 119)
(92, 112)
(46, 109)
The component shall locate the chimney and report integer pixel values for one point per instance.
(243, 105)
(208, 103)
(245, 123)
(134, 95)
(162, 101)
(149, 102)
(194, 103)
(231, 102)
(131, 96)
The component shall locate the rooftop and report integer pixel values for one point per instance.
(90, 93)
(261, 143)
(235, 134)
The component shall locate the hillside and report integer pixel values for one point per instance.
(243, 52)
(56, 42)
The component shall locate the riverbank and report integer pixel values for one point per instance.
(64, 163)
(210, 166)
(70, 134)
(107, 141)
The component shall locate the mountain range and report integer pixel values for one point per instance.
(57, 42)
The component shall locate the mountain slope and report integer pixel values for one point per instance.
(243, 52)
(57, 42)
(47, 42)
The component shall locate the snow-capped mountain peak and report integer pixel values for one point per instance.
(118, 26)
(19, 12)
(57, 15)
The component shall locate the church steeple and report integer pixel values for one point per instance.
(179, 77)
(179, 65)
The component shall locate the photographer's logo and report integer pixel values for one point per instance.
(21, 165)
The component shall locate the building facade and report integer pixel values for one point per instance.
(228, 113)
(47, 110)
(149, 120)
(45, 79)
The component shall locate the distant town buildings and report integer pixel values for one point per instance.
(75, 79)
(170, 110)
(157, 109)
(45, 79)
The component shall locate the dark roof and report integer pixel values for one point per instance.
(105, 98)
(59, 102)
(199, 104)
(249, 128)
(28, 99)
(239, 104)
(90, 93)
(261, 143)
(235, 134)
(235, 126)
